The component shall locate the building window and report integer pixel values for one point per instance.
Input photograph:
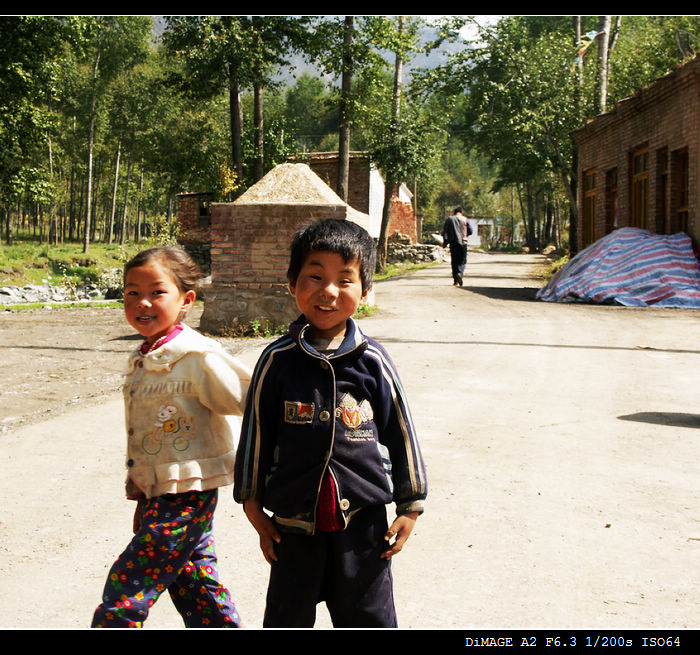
(589, 186)
(611, 201)
(682, 189)
(662, 226)
(204, 219)
(640, 189)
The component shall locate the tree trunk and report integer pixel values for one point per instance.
(8, 225)
(386, 216)
(258, 127)
(139, 226)
(344, 123)
(390, 181)
(603, 41)
(91, 141)
(114, 192)
(236, 123)
(125, 230)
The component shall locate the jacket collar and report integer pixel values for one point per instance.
(354, 340)
(164, 357)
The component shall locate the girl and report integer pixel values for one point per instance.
(180, 386)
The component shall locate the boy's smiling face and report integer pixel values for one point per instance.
(328, 291)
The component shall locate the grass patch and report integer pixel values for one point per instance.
(555, 266)
(365, 311)
(402, 268)
(108, 304)
(29, 262)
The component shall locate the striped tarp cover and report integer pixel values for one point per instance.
(630, 267)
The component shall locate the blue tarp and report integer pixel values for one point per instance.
(630, 267)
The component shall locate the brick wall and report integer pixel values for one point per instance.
(325, 165)
(402, 220)
(250, 255)
(664, 119)
(194, 227)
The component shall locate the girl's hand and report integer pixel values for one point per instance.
(400, 530)
(137, 515)
(265, 527)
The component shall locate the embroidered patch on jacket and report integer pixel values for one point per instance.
(352, 413)
(298, 413)
(170, 429)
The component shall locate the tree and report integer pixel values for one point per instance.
(606, 44)
(309, 112)
(109, 44)
(29, 47)
(229, 53)
(391, 165)
(344, 109)
(520, 84)
(349, 48)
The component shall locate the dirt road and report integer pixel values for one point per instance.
(561, 444)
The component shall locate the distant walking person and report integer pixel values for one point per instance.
(455, 233)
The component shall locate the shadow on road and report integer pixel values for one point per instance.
(675, 419)
(564, 346)
(505, 293)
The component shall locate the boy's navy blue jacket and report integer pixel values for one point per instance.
(306, 412)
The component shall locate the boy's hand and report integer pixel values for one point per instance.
(400, 530)
(265, 527)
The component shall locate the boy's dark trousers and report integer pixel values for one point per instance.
(341, 568)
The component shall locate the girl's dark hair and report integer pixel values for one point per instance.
(339, 236)
(184, 271)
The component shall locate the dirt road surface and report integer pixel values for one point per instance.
(561, 443)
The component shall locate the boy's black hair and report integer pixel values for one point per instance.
(340, 236)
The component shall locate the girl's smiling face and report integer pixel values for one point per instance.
(153, 302)
(328, 291)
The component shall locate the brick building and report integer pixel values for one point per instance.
(250, 240)
(638, 162)
(366, 191)
(194, 226)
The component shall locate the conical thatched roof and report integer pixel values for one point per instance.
(294, 184)
(289, 184)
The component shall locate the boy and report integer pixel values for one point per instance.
(327, 441)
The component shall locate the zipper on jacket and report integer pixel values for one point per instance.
(330, 448)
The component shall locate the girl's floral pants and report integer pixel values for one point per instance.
(174, 550)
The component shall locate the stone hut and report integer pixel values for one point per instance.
(250, 247)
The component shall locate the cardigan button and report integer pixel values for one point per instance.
(344, 504)
(130, 462)
(324, 365)
(324, 415)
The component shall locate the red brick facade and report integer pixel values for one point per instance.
(638, 163)
(250, 243)
(402, 218)
(325, 165)
(194, 226)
